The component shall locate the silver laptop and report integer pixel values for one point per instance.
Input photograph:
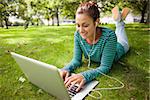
(47, 77)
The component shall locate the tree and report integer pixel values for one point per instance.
(37, 6)
(68, 10)
(7, 8)
(139, 6)
(23, 11)
(56, 5)
(48, 14)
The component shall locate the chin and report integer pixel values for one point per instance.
(84, 37)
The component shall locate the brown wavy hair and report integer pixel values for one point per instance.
(90, 8)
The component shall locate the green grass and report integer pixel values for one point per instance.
(54, 45)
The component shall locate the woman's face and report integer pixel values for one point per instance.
(85, 25)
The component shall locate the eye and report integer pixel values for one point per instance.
(85, 25)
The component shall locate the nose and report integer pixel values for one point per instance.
(81, 29)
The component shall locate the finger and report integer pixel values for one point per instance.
(73, 83)
(69, 81)
(80, 86)
(62, 74)
(67, 75)
(68, 78)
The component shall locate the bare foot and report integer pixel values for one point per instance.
(124, 13)
(116, 13)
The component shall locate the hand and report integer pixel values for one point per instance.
(76, 78)
(64, 74)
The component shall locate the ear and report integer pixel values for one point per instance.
(97, 22)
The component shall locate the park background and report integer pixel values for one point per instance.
(44, 30)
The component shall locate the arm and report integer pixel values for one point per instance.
(77, 57)
(107, 58)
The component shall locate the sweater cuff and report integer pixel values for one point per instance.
(86, 78)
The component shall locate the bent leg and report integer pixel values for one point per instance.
(120, 29)
(121, 35)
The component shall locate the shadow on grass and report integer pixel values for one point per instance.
(135, 78)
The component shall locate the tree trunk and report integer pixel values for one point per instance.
(26, 24)
(143, 11)
(142, 16)
(148, 14)
(148, 18)
(52, 20)
(37, 24)
(1, 23)
(6, 22)
(57, 16)
(48, 20)
(32, 23)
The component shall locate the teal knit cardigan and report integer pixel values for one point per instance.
(104, 52)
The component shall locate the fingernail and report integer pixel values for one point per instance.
(65, 81)
(65, 85)
(77, 90)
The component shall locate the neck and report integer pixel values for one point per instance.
(94, 39)
(91, 40)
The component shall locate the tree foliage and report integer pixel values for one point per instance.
(140, 6)
(34, 10)
(7, 8)
(137, 6)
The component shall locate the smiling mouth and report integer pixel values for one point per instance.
(84, 34)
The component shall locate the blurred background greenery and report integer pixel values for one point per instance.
(51, 12)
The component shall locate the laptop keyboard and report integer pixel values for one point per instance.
(72, 92)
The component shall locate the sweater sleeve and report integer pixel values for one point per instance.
(107, 59)
(77, 56)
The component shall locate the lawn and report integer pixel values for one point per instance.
(54, 45)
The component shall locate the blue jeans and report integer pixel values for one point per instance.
(121, 35)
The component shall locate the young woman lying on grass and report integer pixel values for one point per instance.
(97, 44)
